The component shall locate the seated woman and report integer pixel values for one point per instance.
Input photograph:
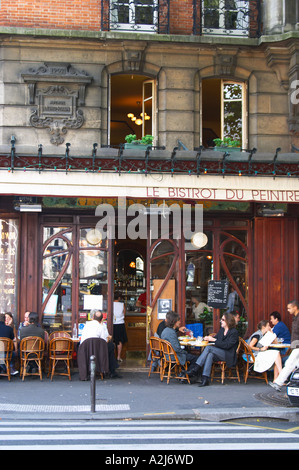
(224, 349)
(169, 334)
(264, 358)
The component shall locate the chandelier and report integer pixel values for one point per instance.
(138, 120)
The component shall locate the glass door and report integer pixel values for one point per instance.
(74, 275)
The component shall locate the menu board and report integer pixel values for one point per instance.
(8, 265)
(217, 294)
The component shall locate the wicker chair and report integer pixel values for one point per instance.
(6, 350)
(60, 350)
(31, 350)
(156, 354)
(248, 363)
(171, 367)
(223, 367)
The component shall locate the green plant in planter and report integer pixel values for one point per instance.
(227, 142)
(146, 140)
(130, 138)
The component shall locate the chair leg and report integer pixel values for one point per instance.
(212, 372)
(7, 363)
(150, 368)
(162, 370)
(68, 369)
(265, 377)
(223, 367)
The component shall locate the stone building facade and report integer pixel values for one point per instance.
(71, 72)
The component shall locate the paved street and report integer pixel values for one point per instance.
(130, 435)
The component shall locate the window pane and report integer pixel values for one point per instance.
(143, 12)
(93, 279)
(232, 108)
(211, 13)
(199, 271)
(57, 279)
(233, 120)
(9, 231)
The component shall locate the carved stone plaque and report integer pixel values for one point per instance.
(57, 111)
(57, 104)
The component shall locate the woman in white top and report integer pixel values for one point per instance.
(264, 357)
(119, 329)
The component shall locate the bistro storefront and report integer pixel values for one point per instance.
(63, 255)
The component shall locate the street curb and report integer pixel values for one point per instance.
(291, 415)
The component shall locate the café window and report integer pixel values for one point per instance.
(225, 17)
(57, 282)
(134, 15)
(9, 235)
(74, 275)
(224, 111)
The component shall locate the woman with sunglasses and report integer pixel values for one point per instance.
(224, 349)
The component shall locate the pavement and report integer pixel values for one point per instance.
(137, 396)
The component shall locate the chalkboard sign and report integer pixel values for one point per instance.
(217, 294)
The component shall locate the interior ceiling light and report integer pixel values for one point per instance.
(138, 121)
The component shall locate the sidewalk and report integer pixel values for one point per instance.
(135, 396)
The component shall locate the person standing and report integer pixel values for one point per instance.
(293, 360)
(119, 329)
(141, 302)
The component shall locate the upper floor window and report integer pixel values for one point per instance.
(226, 17)
(224, 111)
(134, 15)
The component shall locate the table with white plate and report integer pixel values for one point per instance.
(193, 343)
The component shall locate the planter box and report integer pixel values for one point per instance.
(227, 149)
(136, 145)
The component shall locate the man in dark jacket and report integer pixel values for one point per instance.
(32, 329)
(224, 349)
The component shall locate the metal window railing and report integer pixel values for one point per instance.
(241, 18)
(227, 17)
(150, 16)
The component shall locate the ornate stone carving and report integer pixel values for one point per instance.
(57, 111)
(57, 104)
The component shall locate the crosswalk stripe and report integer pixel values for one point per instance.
(158, 435)
(211, 446)
(136, 435)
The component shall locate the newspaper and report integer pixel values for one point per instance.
(267, 339)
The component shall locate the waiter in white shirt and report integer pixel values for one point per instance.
(96, 328)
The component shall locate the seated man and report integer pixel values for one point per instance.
(32, 329)
(169, 334)
(279, 328)
(96, 328)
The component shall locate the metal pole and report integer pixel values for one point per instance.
(92, 384)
